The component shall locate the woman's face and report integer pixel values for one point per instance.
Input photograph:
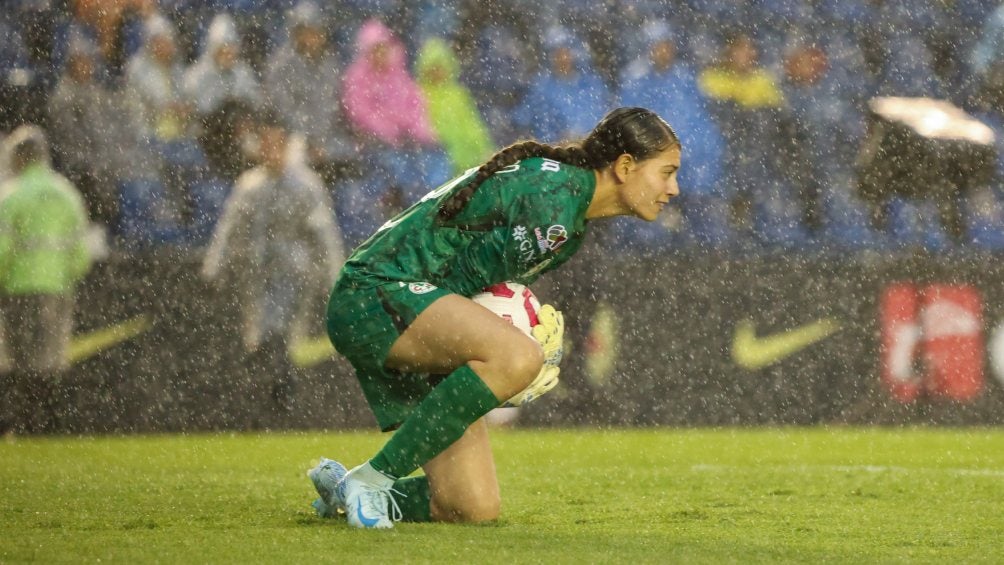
(272, 147)
(226, 56)
(80, 67)
(380, 57)
(743, 55)
(309, 41)
(648, 185)
(806, 66)
(663, 55)
(436, 74)
(163, 49)
(563, 61)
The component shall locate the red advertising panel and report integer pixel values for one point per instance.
(952, 340)
(932, 341)
(900, 333)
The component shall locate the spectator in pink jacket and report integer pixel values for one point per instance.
(381, 99)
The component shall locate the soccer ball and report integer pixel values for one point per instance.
(513, 301)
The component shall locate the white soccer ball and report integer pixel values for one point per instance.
(513, 301)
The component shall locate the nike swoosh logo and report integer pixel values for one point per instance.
(87, 345)
(752, 352)
(368, 522)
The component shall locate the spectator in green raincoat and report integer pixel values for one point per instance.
(451, 108)
(42, 257)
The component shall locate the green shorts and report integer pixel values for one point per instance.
(364, 321)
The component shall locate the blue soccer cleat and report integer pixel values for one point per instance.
(326, 477)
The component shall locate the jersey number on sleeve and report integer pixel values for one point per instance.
(550, 166)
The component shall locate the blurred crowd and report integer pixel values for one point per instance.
(152, 106)
(263, 139)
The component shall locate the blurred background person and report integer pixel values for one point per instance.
(664, 81)
(154, 91)
(454, 116)
(91, 142)
(221, 73)
(986, 61)
(497, 68)
(908, 68)
(567, 96)
(27, 66)
(224, 91)
(161, 117)
(382, 100)
(773, 197)
(386, 108)
(304, 84)
(276, 245)
(42, 258)
(828, 125)
(113, 25)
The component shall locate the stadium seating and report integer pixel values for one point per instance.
(778, 220)
(183, 154)
(895, 48)
(706, 222)
(916, 224)
(984, 214)
(846, 222)
(624, 238)
(414, 171)
(145, 217)
(360, 206)
(207, 195)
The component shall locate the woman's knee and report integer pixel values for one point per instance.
(517, 364)
(527, 360)
(484, 508)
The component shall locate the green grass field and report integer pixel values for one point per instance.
(572, 496)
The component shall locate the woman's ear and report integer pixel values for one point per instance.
(623, 166)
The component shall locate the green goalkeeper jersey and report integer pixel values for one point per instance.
(522, 221)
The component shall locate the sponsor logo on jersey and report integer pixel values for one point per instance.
(556, 235)
(526, 252)
(421, 287)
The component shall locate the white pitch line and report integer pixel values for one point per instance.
(874, 469)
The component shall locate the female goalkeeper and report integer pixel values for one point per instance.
(431, 361)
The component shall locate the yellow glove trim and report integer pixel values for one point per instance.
(546, 380)
(550, 334)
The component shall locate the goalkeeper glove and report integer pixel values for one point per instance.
(550, 334)
(546, 379)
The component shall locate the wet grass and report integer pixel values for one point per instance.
(573, 496)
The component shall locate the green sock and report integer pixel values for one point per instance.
(438, 421)
(415, 502)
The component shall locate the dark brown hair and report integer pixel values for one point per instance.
(638, 132)
(26, 146)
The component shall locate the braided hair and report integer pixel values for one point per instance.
(638, 132)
